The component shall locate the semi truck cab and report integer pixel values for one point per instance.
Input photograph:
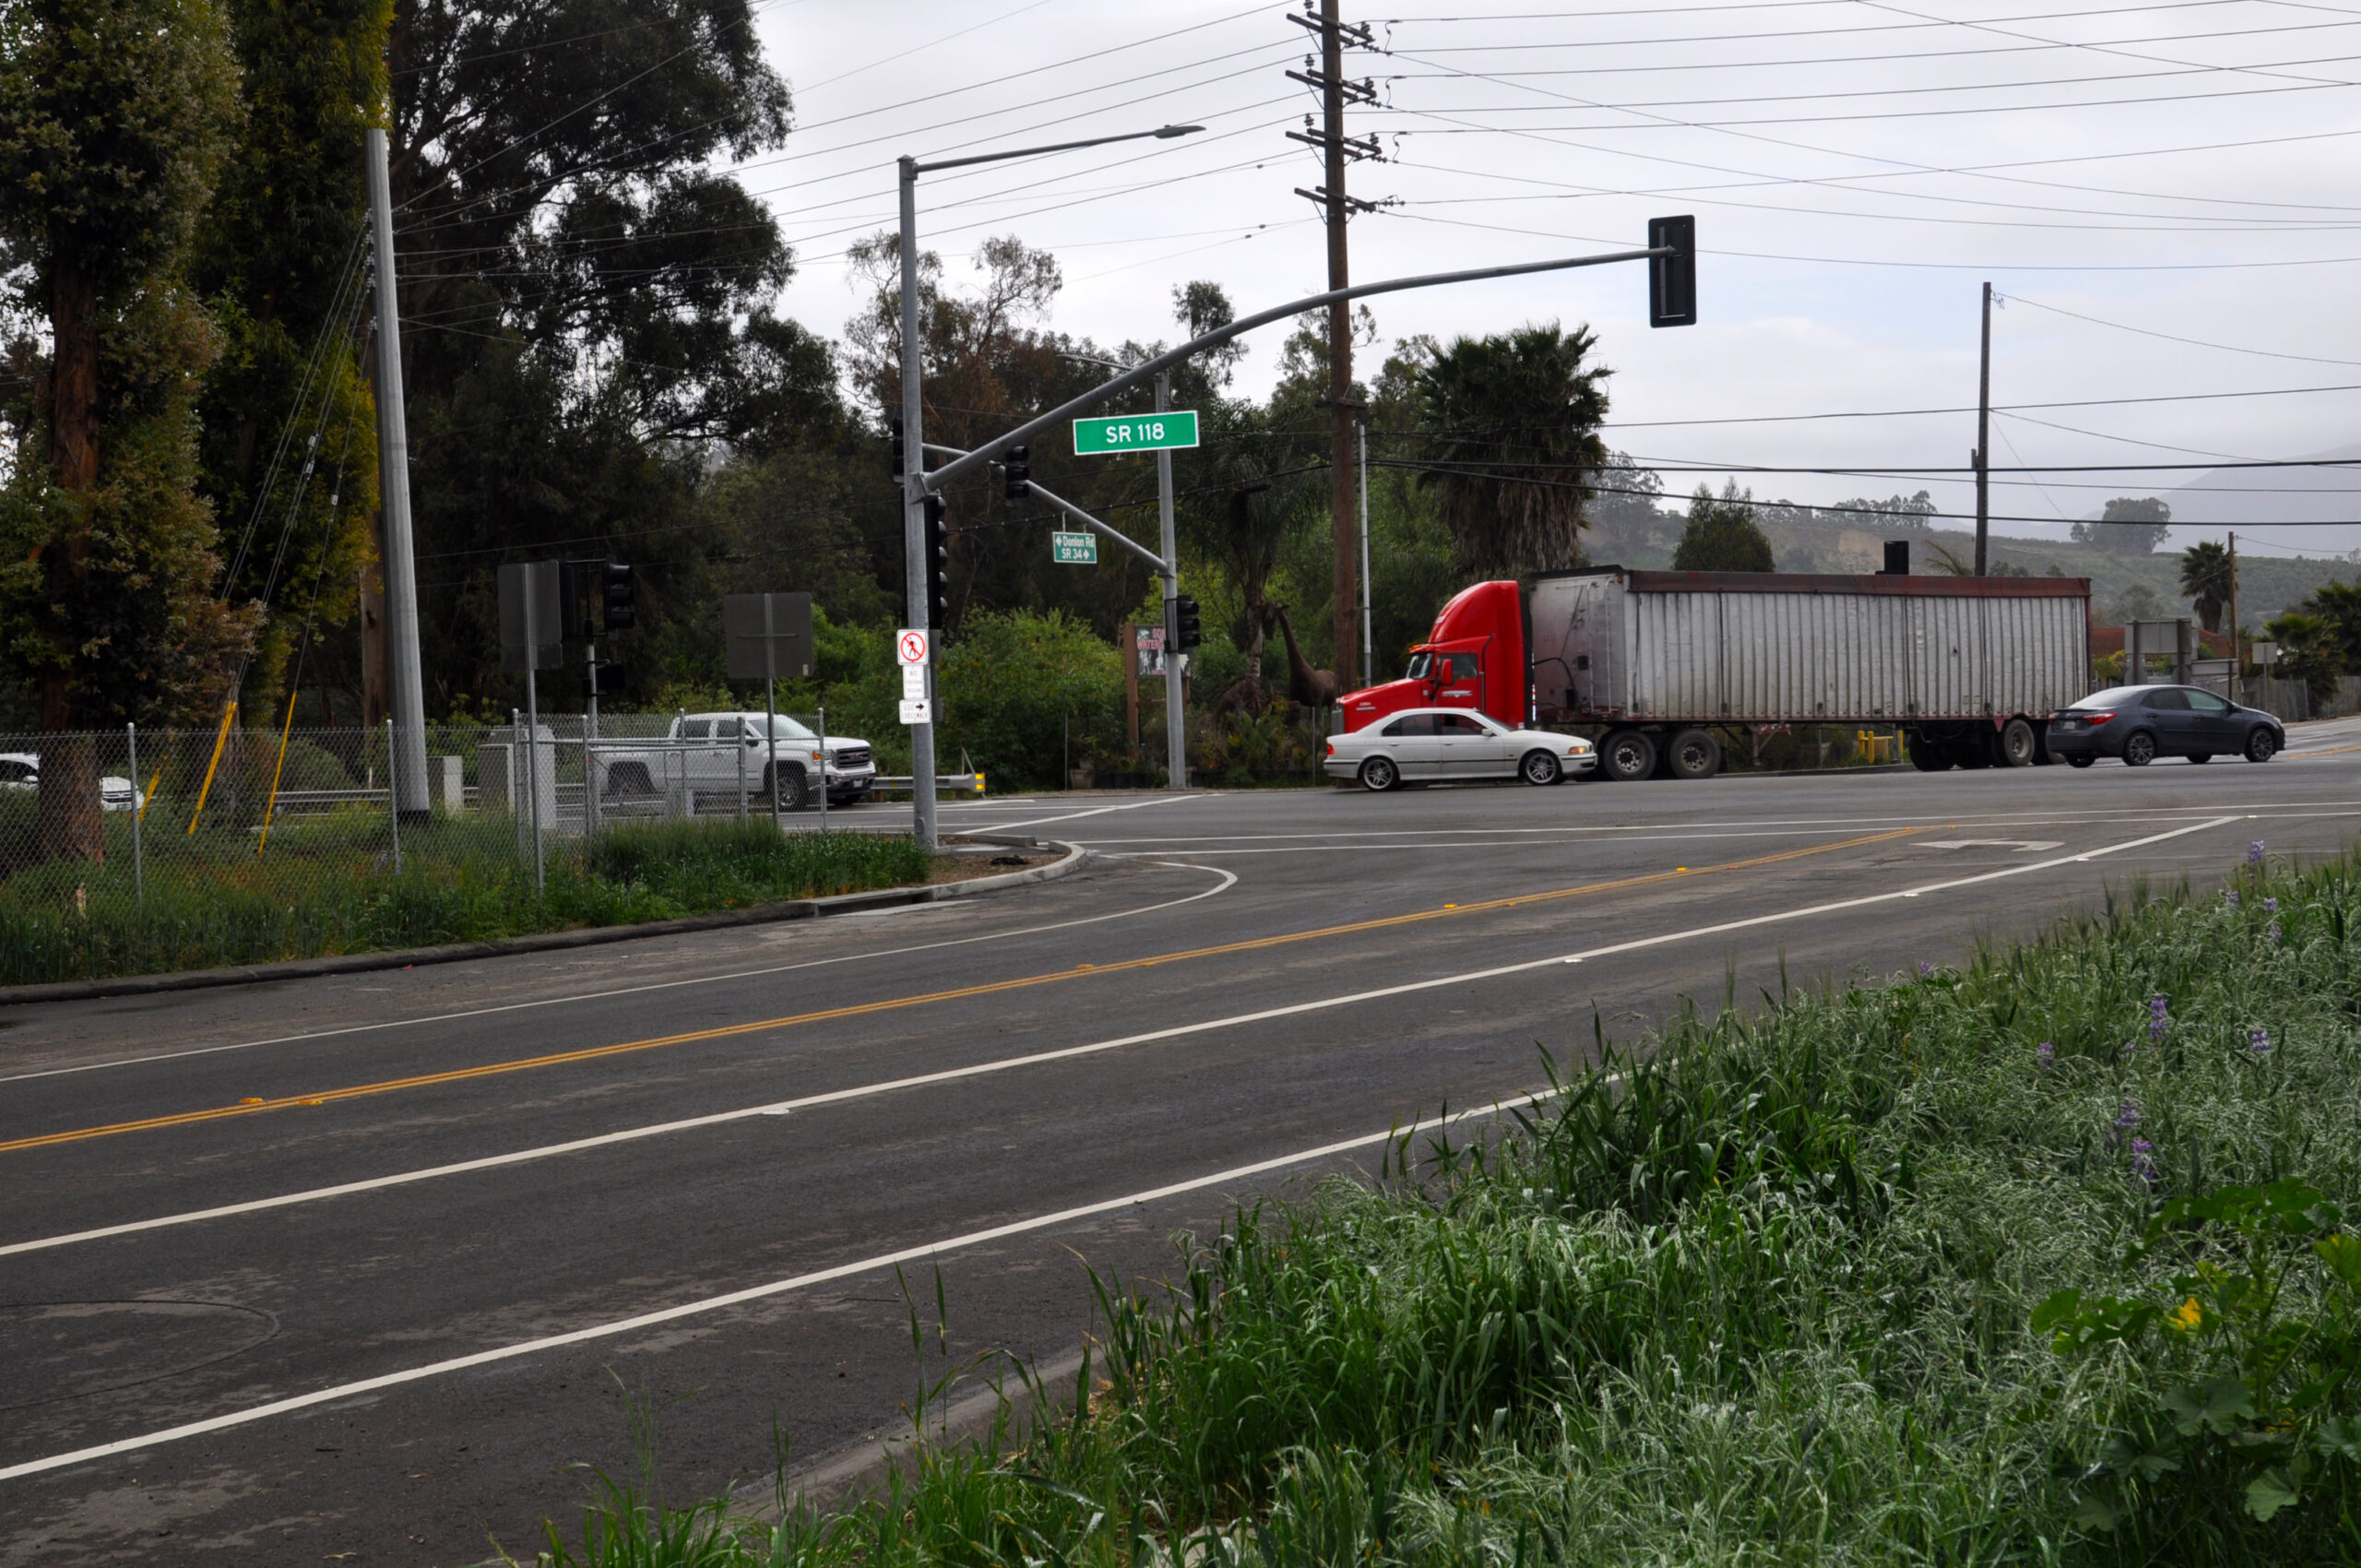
(1474, 656)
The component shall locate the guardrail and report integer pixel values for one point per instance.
(944, 783)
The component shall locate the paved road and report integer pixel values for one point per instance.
(684, 1169)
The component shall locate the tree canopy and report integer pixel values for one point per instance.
(1512, 422)
(1722, 535)
(2128, 526)
(2205, 570)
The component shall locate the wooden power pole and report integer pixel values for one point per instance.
(1338, 208)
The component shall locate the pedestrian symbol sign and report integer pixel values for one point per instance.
(1073, 548)
(910, 646)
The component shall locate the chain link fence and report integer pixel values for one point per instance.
(171, 809)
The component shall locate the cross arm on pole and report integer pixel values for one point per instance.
(1146, 371)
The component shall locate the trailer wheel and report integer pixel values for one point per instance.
(1539, 767)
(1924, 755)
(1627, 756)
(2016, 745)
(1693, 755)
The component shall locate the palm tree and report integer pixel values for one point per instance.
(2205, 579)
(1513, 422)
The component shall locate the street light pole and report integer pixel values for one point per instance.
(914, 475)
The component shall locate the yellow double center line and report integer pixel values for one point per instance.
(592, 1053)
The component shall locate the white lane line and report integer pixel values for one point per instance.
(1101, 810)
(1229, 880)
(1389, 848)
(730, 1298)
(1062, 1054)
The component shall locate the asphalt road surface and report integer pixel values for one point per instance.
(365, 1268)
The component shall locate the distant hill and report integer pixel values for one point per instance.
(2297, 501)
(2267, 585)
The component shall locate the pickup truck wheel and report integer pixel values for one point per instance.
(1539, 767)
(2017, 744)
(1627, 756)
(2084, 760)
(1693, 755)
(2138, 749)
(627, 778)
(794, 794)
(1379, 775)
(2201, 756)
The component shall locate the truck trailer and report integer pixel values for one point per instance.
(1969, 668)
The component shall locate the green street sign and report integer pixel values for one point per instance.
(1074, 549)
(1135, 433)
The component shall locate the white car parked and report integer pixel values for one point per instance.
(22, 770)
(1430, 743)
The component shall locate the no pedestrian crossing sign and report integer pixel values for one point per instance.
(1135, 433)
(1073, 548)
(910, 646)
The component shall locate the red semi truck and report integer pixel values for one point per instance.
(1968, 668)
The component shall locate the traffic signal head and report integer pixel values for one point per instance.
(937, 563)
(900, 454)
(1019, 467)
(1189, 630)
(621, 590)
(1672, 279)
(580, 584)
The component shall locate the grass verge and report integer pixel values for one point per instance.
(2040, 1261)
(328, 886)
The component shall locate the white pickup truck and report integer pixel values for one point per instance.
(711, 753)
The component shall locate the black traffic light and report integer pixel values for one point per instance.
(1019, 467)
(1672, 279)
(1189, 630)
(609, 679)
(938, 567)
(900, 455)
(620, 598)
(578, 585)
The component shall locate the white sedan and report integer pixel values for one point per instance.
(1430, 744)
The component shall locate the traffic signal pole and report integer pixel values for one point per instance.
(916, 481)
(1176, 726)
(914, 489)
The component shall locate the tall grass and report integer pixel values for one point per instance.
(1765, 1291)
(328, 886)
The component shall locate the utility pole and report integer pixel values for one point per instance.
(407, 696)
(1337, 207)
(1984, 442)
(2237, 659)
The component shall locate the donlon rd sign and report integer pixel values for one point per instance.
(1135, 433)
(1073, 548)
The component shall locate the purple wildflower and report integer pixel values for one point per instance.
(2044, 1055)
(2254, 852)
(2271, 933)
(2270, 906)
(2259, 1041)
(2157, 1021)
(2144, 1160)
(2230, 897)
(2126, 1119)
(1925, 968)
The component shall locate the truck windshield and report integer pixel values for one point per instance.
(783, 728)
(1418, 670)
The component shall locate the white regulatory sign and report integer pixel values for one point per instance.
(913, 682)
(909, 647)
(918, 712)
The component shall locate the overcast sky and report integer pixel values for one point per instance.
(1858, 169)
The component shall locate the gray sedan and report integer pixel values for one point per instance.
(1430, 744)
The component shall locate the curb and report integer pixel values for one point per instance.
(557, 941)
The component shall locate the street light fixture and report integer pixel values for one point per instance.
(914, 490)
